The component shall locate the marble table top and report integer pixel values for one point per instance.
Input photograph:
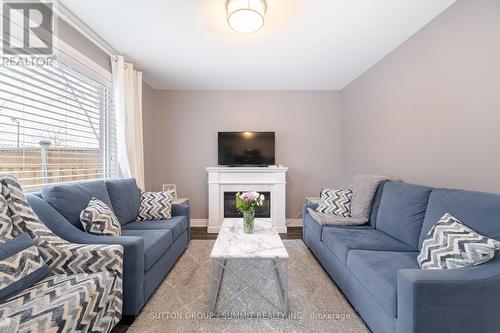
(264, 243)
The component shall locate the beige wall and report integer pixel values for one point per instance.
(181, 138)
(430, 111)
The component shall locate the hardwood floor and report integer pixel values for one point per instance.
(201, 233)
(292, 233)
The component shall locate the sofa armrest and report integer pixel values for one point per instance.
(309, 205)
(133, 264)
(455, 300)
(133, 250)
(71, 258)
(183, 210)
(180, 210)
(309, 224)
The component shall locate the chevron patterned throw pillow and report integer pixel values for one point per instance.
(451, 244)
(99, 219)
(336, 202)
(155, 206)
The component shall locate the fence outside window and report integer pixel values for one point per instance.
(56, 125)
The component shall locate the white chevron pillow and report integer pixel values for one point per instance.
(336, 202)
(99, 219)
(155, 206)
(451, 244)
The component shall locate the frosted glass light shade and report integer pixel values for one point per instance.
(245, 16)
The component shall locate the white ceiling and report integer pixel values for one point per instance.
(304, 44)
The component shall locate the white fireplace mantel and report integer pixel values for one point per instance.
(241, 179)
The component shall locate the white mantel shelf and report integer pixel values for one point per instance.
(241, 179)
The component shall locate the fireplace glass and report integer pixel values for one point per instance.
(230, 206)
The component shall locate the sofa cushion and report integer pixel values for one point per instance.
(156, 243)
(70, 199)
(21, 266)
(341, 240)
(377, 271)
(124, 195)
(478, 211)
(176, 224)
(402, 210)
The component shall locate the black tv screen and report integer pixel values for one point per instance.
(246, 148)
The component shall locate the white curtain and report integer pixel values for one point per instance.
(127, 86)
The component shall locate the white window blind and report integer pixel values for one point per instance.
(56, 125)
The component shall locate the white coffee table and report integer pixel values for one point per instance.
(249, 271)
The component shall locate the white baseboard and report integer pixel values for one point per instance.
(294, 222)
(199, 222)
(204, 223)
(213, 230)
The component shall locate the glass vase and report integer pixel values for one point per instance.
(248, 221)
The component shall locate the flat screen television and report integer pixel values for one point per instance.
(246, 148)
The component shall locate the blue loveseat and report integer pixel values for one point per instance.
(376, 268)
(151, 248)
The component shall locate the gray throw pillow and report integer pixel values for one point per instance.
(364, 188)
(451, 244)
(155, 206)
(99, 219)
(330, 219)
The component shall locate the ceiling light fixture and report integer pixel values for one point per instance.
(246, 16)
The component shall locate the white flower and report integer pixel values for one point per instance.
(262, 197)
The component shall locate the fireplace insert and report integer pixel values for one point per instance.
(230, 206)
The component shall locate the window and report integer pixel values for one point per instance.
(56, 125)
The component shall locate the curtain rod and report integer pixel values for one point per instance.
(73, 20)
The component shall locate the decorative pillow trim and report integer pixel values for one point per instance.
(99, 219)
(336, 202)
(155, 206)
(451, 244)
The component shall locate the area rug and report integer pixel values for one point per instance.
(181, 304)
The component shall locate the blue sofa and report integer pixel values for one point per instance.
(376, 268)
(151, 248)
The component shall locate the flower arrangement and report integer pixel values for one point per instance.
(248, 201)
